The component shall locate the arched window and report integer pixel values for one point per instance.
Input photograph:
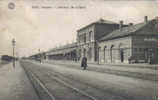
(121, 52)
(90, 53)
(111, 53)
(105, 54)
(99, 54)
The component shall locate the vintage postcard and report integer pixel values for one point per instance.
(78, 49)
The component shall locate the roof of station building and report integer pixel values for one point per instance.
(130, 30)
(100, 21)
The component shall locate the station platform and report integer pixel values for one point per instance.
(14, 84)
(134, 65)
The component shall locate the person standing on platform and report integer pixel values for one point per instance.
(84, 63)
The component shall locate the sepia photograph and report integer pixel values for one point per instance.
(78, 49)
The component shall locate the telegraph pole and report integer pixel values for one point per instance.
(13, 44)
(40, 55)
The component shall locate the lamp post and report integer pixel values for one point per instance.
(39, 55)
(13, 44)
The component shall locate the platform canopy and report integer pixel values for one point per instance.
(64, 51)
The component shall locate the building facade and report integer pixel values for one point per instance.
(133, 44)
(88, 36)
(109, 42)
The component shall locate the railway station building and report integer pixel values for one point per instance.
(105, 41)
(133, 44)
(88, 37)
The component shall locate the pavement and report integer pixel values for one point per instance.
(124, 67)
(14, 84)
(135, 65)
(146, 73)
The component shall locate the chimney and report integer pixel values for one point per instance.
(101, 20)
(121, 24)
(145, 19)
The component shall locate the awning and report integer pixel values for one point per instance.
(64, 51)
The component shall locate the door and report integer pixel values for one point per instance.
(99, 55)
(122, 55)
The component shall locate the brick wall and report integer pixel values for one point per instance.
(110, 50)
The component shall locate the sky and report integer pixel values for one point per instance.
(45, 28)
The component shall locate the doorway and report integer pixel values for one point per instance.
(122, 55)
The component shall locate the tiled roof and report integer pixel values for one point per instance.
(123, 31)
(104, 21)
(149, 28)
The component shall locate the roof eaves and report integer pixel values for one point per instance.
(125, 31)
(115, 37)
(85, 27)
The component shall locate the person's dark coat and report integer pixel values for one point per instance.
(84, 62)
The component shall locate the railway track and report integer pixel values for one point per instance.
(55, 88)
(77, 87)
(68, 86)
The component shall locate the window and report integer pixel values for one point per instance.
(79, 39)
(140, 49)
(85, 38)
(135, 49)
(146, 49)
(90, 53)
(90, 35)
(82, 38)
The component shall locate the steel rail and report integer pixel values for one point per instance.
(73, 88)
(39, 82)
